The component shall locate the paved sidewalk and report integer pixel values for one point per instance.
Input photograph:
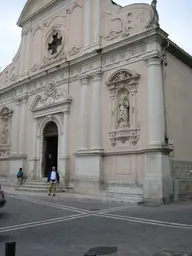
(11, 190)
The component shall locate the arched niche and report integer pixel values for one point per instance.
(123, 86)
(5, 126)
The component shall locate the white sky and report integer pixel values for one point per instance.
(175, 19)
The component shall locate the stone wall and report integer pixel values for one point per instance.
(182, 179)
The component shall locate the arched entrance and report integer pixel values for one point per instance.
(50, 147)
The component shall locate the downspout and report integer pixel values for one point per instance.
(164, 85)
(68, 79)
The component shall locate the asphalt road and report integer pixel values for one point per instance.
(46, 226)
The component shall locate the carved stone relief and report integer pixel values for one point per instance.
(5, 126)
(74, 51)
(52, 96)
(123, 88)
(128, 21)
(123, 109)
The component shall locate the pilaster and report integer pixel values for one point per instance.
(84, 114)
(64, 158)
(86, 22)
(156, 101)
(96, 142)
(23, 126)
(15, 130)
(97, 22)
(158, 185)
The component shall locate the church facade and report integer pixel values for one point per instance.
(100, 92)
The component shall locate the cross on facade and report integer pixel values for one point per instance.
(54, 44)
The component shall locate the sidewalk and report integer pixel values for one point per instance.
(11, 190)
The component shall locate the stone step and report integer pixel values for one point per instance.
(35, 184)
(37, 181)
(31, 189)
(35, 188)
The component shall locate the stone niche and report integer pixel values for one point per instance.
(124, 125)
(5, 131)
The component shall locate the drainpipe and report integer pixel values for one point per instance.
(164, 85)
(69, 71)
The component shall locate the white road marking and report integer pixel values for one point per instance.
(69, 208)
(41, 223)
(59, 206)
(86, 213)
(146, 221)
(118, 208)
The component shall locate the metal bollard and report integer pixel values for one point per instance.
(10, 249)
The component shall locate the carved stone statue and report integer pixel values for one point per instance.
(123, 120)
(4, 135)
(155, 20)
(4, 130)
(5, 120)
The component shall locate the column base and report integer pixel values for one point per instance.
(158, 184)
(88, 173)
(83, 149)
(63, 169)
(33, 172)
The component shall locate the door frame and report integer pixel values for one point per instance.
(44, 163)
(45, 120)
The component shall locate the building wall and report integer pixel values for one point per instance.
(178, 93)
(125, 167)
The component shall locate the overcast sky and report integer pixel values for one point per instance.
(175, 19)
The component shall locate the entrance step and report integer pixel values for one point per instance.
(37, 186)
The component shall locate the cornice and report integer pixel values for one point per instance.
(90, 152)
(136, 40)
(94, 61)
(22, 21)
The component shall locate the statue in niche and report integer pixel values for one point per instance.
(4, 133)
(123, 118)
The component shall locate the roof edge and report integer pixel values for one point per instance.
(179, 53)
(21, 21)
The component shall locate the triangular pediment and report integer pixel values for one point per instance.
(51, 97)
(31, 8)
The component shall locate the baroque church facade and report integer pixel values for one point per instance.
(97, 90)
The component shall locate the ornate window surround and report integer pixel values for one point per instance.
(120, 83)
(53, 31)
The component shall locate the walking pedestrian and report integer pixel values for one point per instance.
(53, 178)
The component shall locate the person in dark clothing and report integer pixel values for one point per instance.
(53, 178)
(20, 176)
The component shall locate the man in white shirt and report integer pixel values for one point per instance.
(53, 179)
